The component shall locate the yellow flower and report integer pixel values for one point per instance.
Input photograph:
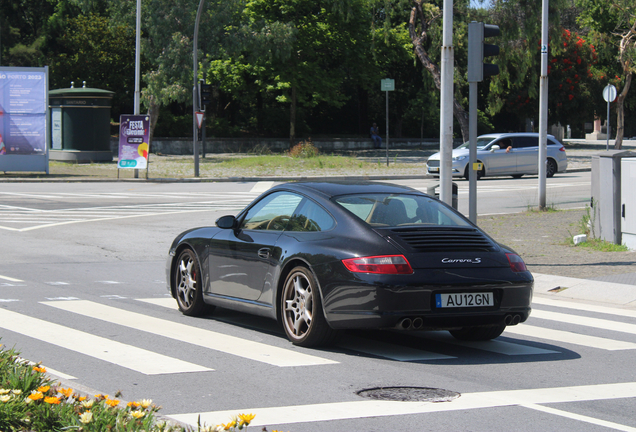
(145, 403)
(87, 404)
(81, 398)
(66, 392)
(36, 395)
(246, 419)
(86, 417)
(28, 400)
(52, 400)
(112, 402)
(44, 389)
(4, 391)
(16, 391)
(137, 414)
(5, 398)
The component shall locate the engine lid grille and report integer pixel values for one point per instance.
(442, 239)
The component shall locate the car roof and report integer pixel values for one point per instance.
(512, 134)
(328, 189)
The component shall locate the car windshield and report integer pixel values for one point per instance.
(400, 209)
(481, 143)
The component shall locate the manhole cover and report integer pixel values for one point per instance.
(409, 394)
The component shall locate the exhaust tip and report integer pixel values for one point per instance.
(516, 319)
(508, 320)
(418, 323)
(406, 324)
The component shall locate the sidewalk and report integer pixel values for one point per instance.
(599, 292)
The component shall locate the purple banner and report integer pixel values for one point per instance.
(134, 134)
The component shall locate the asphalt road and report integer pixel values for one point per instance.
(82, 289)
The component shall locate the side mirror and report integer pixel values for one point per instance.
(495, 148)
(226, 222)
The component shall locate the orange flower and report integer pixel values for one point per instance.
(40, 369)
(133, 404)
(66, 392)
(112, 402)
(52, 400)
(36, 395)
(44, 389)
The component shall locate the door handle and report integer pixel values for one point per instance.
(263, 253)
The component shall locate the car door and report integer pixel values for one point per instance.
(527, 152)
(242, 258)
(499, 161)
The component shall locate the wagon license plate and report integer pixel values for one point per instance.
(456, 300)
(433, 169)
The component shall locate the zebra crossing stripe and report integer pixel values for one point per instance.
(569, 337)
(128, 356)
(184, 333)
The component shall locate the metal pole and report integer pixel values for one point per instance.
(446, 107)
(543, 106)
(195, 92)
(608, 126)
(387, 128)
(472, 151)
(138, 70)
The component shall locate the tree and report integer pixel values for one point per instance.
(614, 21)
(422, 18)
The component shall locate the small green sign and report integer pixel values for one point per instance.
(387, 84)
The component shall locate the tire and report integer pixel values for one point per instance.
(551, 168)
(301, 310)
(188, 286)
(480, 173)
(517, 176)
(478, 333)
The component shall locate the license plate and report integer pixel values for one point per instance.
(432, 169)
(456, 300)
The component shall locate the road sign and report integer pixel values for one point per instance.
(609, 93)
(199, 118)
(387, 84)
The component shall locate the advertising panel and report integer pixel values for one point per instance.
(23, 119)
(134, 134)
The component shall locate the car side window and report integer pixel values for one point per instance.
(504, 143)
(525, 142)
(272, 213)
(311, 217)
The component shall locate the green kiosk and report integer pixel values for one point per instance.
(80, 124)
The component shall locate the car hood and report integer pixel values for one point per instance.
(456, 153)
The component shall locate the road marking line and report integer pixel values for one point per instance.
(128, 356)
(380, 349)
(580, 417)
(184, 333)
(585, 321)
(569, 337)
(275, 416)
(390, 351)
(496, 346)
(584, 307)
(10, 279)
(262, 186)
(49, 370)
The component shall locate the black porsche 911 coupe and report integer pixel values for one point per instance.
(325, 256)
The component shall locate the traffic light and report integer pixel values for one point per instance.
(205, 94)
(478, 50)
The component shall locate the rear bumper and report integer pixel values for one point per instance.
(372, 304)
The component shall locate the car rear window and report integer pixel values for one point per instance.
(400, 209)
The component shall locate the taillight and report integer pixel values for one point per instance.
(387, 264)
(516, 263)
(562, 149)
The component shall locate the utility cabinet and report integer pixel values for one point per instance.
(606, 194)
(628, 202)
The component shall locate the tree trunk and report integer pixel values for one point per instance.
(458, 111)
(292, 117)
(153, 112)
(620, 113)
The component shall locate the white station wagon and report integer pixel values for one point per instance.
(503, 154)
